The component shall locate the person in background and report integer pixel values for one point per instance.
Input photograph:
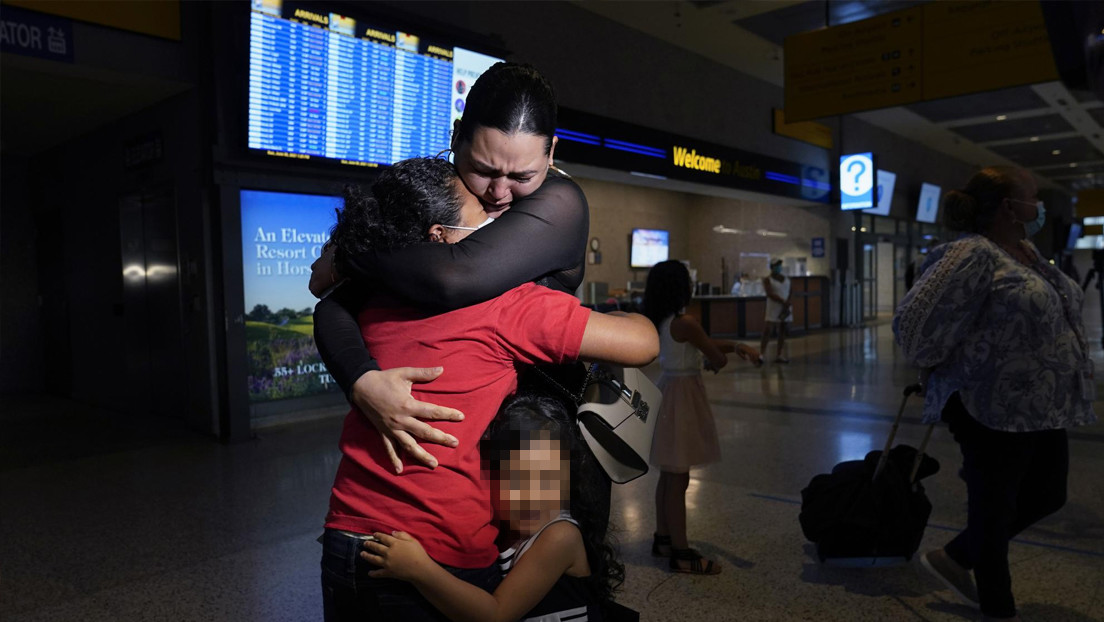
(998, 330)
(685, 433)
(555, 568)
(776, 287)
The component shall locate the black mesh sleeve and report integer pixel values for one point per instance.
(541, 237)
(337, 336)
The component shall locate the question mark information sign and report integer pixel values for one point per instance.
(929, 203)
(857, 181)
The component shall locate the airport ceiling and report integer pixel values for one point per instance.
(1057, 133)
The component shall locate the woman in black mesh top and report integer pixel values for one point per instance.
(504, 153)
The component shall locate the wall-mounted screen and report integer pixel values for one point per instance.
(1074, 235)
(282, 235)
(928, 208)
(328, 86)
(649, 247)
(883, 194)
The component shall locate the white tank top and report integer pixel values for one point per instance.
(679, 359)
(782, 290)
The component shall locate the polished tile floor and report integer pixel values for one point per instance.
(108, 519)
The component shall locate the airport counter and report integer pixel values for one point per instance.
(739, 317)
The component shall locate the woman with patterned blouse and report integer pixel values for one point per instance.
(999, 330)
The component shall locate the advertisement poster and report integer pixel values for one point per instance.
(282, 235)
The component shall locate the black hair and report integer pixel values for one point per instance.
(974, 208)
(512, 98)
(667, 291)
(406, 200)
(523, 417)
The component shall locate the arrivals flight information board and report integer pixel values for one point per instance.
(328, 86)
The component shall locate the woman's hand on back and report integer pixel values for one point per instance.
(385, 399)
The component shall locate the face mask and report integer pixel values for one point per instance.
(481, 225)
(1034, 226)
(776, 269)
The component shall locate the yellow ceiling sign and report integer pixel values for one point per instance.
(160, 18)
(939, 49)
(1090, 204)
(869, 64)
(806, 131)
(971, 47)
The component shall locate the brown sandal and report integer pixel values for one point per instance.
(695, 558)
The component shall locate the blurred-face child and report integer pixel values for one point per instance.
(531, 486)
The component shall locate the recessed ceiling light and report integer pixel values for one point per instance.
(1034, 139)
(1073, 165)
(1056, 152)
(1001, 117)
(853, 228)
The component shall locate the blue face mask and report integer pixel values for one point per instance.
(1034, 226)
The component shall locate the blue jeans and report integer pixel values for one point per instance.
(349, 594)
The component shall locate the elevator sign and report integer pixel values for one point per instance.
(857, 181)
(33, 34)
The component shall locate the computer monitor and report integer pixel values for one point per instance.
(648, 247)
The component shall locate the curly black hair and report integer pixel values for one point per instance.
(521, 417)
(406, 200)
(667, 290)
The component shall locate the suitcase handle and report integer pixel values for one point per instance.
(910, 390)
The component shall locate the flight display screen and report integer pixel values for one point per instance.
(327, 86)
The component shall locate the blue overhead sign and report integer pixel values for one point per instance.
(857, 181)
(818, 247)
(34, 34)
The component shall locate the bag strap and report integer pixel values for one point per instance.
(577, 399)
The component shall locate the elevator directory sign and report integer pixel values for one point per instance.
(857, 181)
(328, 86)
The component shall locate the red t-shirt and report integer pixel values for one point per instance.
(448, 509)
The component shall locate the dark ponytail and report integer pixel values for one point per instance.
(513, 99)
(974, 208)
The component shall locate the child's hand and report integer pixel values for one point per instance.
(399, 556)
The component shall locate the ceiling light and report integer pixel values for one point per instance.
(1056, 152)
(1034, 139)
(1001, 117)
(771, 234)
(1073, 165)
(863, 230)
(854, 229)
(724, 229)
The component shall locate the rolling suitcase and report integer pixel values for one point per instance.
(871, 512)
